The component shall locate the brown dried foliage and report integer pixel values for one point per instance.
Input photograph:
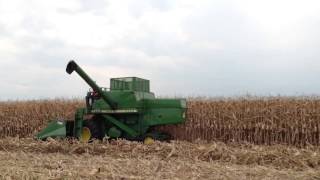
(272, 120)
(25, 118)
(280, 120)
(121, 159)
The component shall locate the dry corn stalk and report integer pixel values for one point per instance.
(25, 118)
(272, 120)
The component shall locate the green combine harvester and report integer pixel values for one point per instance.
(127, 110)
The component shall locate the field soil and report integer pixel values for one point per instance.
(25, 158)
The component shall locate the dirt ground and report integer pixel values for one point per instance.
(53, 159)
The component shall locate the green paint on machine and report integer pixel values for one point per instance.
(54, 129)
(128, 110)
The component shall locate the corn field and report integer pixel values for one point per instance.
(271, 120)
(26, 118)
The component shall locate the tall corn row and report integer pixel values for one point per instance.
(28, 117)
(294, 121)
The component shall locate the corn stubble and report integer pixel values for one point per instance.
(270, 120)
(25, 158)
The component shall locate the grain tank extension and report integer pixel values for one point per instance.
(127, 110)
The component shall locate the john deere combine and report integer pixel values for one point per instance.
(127, 110)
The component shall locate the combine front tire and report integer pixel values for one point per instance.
(92, 129)
(148, 140)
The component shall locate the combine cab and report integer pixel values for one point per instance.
(128, 110)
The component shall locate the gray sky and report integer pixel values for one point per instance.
(186, 47)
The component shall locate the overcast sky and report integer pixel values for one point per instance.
(186, 47)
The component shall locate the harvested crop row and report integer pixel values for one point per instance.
(24, 158)
(284, 120)
(279, 156)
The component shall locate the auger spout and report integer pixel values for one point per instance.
(73, 66)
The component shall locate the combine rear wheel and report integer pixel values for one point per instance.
(92, 129)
